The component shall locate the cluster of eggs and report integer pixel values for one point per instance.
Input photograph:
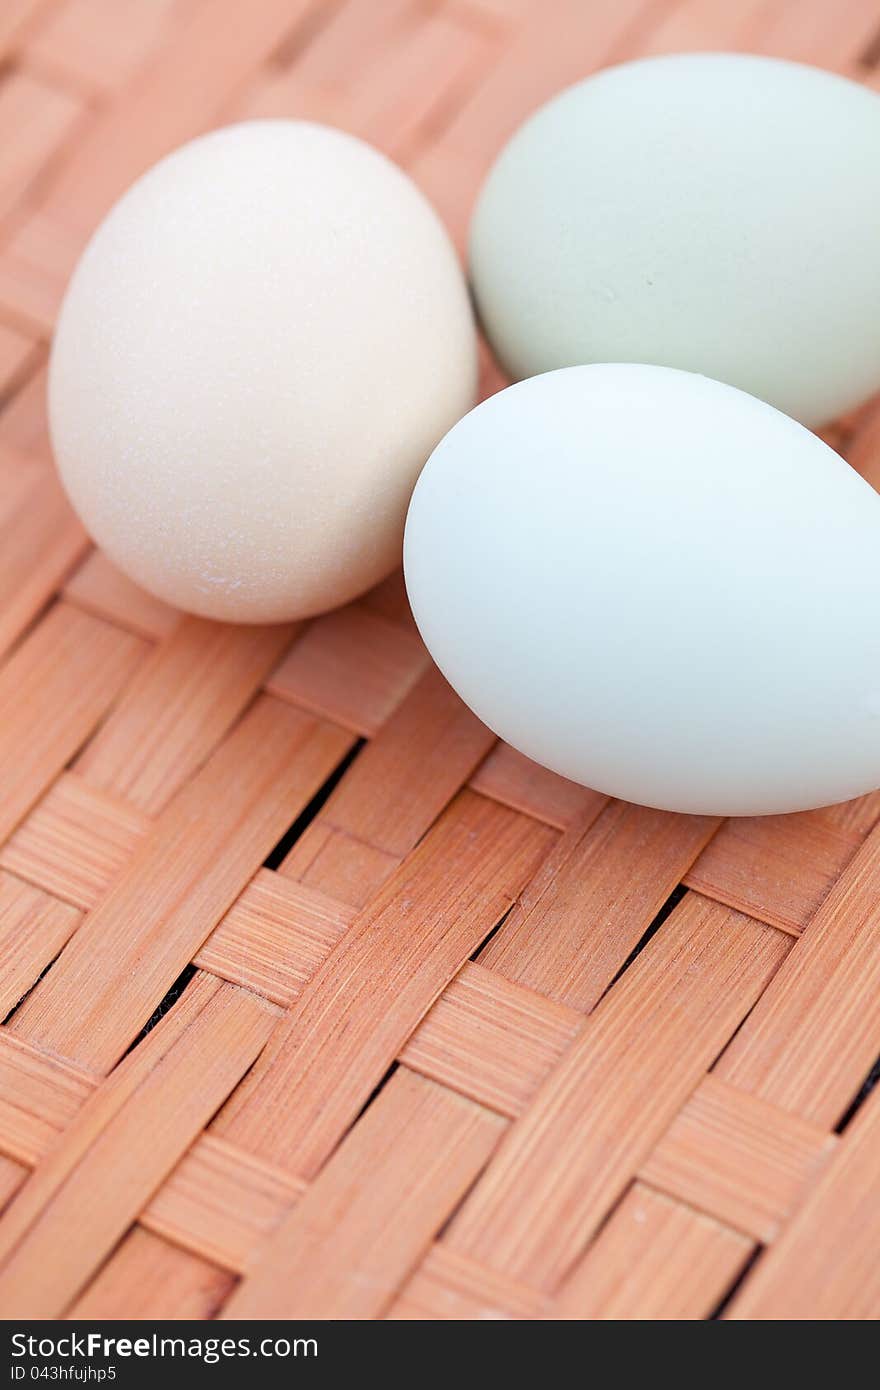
(637, 565)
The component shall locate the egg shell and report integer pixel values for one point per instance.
(657, 586)
(714, 212)
(260, 347)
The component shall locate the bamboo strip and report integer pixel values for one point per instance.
(531, 68)
(100, 588)
(274, 937)
(380, 811)
(776, 868)
(167, 1088)
(339, 865)
(515, 781)
(691, 985)
(137, 130)
(35, 265)
(316, 674)
(15, 18)
(630, 1183)
(40, 1096)
(39, 541)
(33, 928)
(856, 817)
(17, 475)
(810, 32)
(221, 1202)
(655, 1259)
(485, 1036)
(75, 842)
(824, 1265)
(813, 1035)
(357, 1011)
(491, 1039)
(737, 1158)
(744, 1161)
(17, 353)
(35, 120)
(12, 1175)
(398, 86)
(185, 875)
(373, 1209)
(593, 899)
(24, 422)
(380, 802)
(693, 25)
(186, 696)
(449, 1285)
(98, 45)
(53, 690)
(147, 1279)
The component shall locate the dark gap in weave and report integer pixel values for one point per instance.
(364, 1108)
(28, 992)
(164, 1005)
(96, 729)
(383, 1081)
(728, 1043)
(215, 1307)
(30, 627)
(280, 852)
(238, 1085)
(394, 1065)
(727, 1298)
(177, 989)
(494, 932)
(303, 33)
(867, 1086)
(373, 1094)
(869, 57)
(423, 834)
(653, 927)
(23, 377)
(442, 1229)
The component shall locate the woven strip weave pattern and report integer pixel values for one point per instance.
(318, 1001)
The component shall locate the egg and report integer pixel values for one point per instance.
(258, 350)
(657, 586)
(714, 212)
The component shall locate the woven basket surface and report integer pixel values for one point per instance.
(318, 1001)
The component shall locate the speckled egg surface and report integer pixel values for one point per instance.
(260, 346)
(715, 212)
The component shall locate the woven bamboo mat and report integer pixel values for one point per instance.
(317, 1001)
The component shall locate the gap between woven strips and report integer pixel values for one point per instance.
(736, 1284)
(861, 1095)
(30, 989)
(300, 824)
(166, 1003)
(303, 34)
(169, 1239)
(272, 860)
(666, 910)
(653, 927)
(869, 57)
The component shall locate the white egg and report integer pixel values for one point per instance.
(715, 212)
(258, 350)
(657, 586)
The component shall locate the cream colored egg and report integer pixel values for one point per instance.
(716, 212)
(258, 350)
(657, 586)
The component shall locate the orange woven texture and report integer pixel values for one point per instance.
(439, 1034)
